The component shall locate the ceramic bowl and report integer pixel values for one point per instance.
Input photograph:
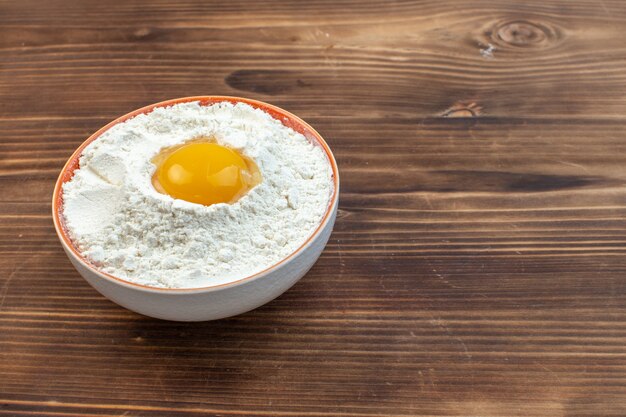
(218, 301)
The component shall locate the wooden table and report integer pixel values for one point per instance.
(478, 262)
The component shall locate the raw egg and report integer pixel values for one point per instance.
(204, 172)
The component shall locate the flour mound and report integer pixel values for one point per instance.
(122, 225)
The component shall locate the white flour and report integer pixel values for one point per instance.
(125, 227)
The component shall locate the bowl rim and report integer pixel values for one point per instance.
(288, 119)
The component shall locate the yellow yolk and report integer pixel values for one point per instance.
(204, 173)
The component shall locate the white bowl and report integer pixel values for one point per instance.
(214, 302)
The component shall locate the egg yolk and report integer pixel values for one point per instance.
(204, 173)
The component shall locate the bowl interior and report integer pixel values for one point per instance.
(286, 118)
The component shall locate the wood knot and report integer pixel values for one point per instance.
(463, 109)
(524, 34)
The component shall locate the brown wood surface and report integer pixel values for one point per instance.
(478, 262)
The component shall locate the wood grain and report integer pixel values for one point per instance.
(478, 262)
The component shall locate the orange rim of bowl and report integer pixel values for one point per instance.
(286, 118)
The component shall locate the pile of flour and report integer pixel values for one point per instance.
(126, 228)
